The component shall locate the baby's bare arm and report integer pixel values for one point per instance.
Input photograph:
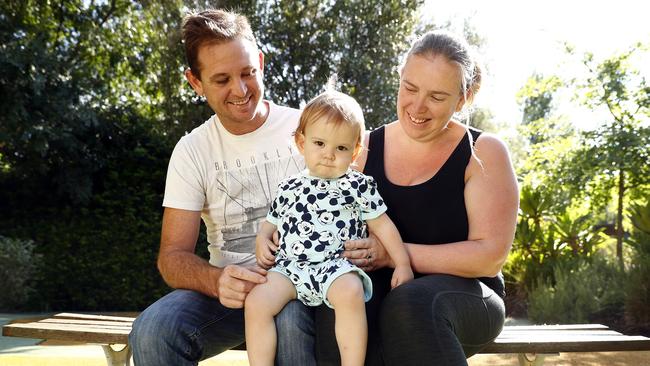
(384, 228)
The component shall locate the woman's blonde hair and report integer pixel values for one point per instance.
(456, 49)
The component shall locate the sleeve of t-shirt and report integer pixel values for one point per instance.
(371, 203)
(185, 185)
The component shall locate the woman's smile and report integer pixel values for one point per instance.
(417, 121)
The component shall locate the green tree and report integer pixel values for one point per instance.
(615, 155)
(83, 147)
(305, 42)
(536, 98)
(547, 141)
(93, 97)
(67, 70)
(361, 41)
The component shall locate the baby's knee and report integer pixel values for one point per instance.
(255, 299)
(346, 289)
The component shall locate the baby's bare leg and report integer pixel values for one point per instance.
(346, 296)
(263, 303)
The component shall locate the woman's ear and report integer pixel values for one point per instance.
(465, 99)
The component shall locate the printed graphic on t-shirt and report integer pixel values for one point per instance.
(246, 194)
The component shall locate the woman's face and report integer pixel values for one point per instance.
(429, 94)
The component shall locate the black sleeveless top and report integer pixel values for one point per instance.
(433, 211)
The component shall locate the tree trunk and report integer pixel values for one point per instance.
(619, 217)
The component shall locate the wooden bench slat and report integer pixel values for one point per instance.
(569, 344)
(76, 334)
(558, 333)
(94, 317)
(547, 327)
(86, 322)
(102, 329)
(73, 327)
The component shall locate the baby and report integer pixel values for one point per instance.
(315, 212)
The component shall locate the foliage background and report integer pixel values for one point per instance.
(93, 99)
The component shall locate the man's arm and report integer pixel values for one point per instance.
(181, 268)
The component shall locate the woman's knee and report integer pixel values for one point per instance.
(403, 300)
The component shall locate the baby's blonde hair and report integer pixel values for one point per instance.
(333, 107)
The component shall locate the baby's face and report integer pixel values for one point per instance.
(328, 148)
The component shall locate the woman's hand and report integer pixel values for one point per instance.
(367, 254)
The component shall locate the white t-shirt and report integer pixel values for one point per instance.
(232, 179)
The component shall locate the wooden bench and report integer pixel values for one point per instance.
(531, 343)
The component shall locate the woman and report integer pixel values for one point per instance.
(452, 193)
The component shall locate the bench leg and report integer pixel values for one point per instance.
(533, 359)
(117, 358)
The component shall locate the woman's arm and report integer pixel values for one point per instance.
(491, 200)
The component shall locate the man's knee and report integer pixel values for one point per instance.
(296, 319)
(149, 329)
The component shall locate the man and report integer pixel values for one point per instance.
(224, 172)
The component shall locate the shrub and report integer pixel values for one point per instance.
(580, 291)
(17, 266)
(637, 302)
(97, 255)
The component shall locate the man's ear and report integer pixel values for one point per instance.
(194, 81)
(300, 141)
(261, 57)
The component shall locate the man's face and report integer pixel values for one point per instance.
(231, 81)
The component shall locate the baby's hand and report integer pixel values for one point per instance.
(401, 275)
(265, 250)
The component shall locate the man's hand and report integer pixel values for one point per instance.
(235, 282)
